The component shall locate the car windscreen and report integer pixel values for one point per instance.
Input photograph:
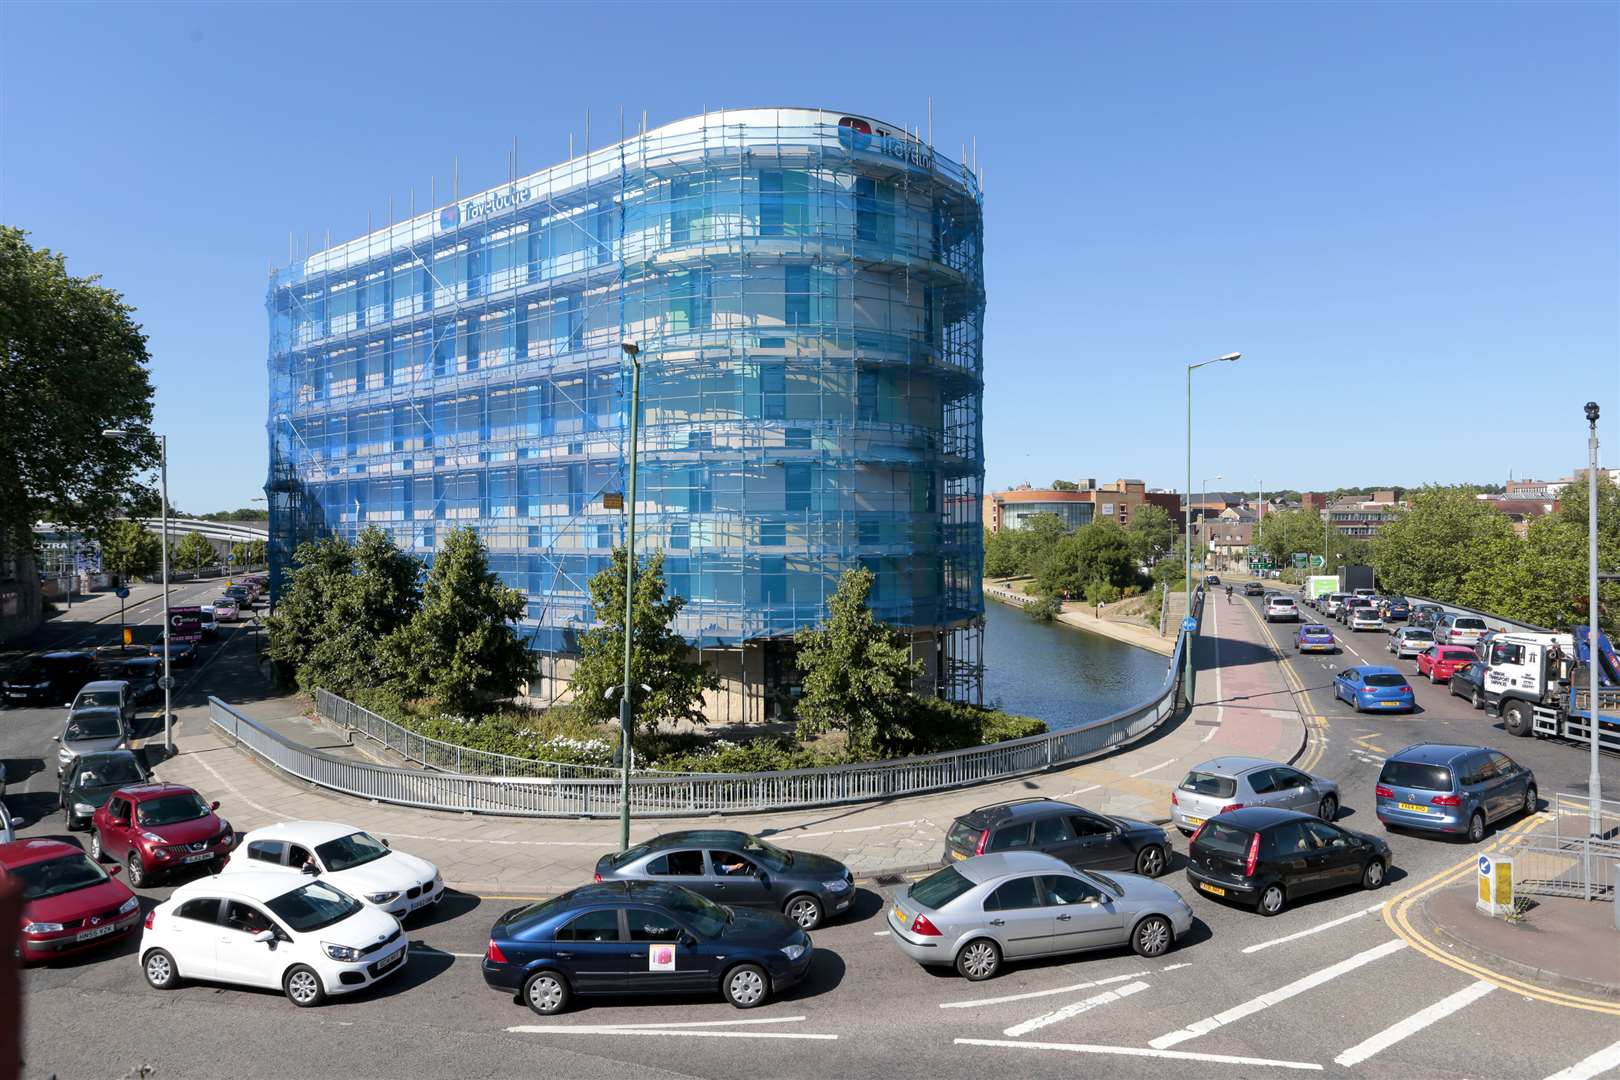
(93, 726)
(1105, 881)
(705, 917)
(1219, 836)
(168, 809)
(1314, 631)
(772, 856)
(89, 699)
(1203, 783)
(116, 770)
(629, 855)
(1469, 623)
(347, 852)
(1457, 654)
(1280, 601)
(1418, 633)
(314, 906)
(1415, 774)
(1385, 679)
(54, 877)
(963, 835)
(940, 888)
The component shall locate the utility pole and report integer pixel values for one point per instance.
(1594, 780)
(1187, 669)
(626, 716)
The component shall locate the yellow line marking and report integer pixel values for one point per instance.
(1396, 917)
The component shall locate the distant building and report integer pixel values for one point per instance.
(1224, 541)
(1363, 517)
(1522, 511)
(1314, 501)
(1012, 508)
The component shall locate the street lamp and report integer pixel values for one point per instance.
(1203, 502)
(163, 473)
(1187, 543)
(626, 725)
(1594, 781)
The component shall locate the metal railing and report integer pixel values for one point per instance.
(685, 794)
(1569, 861)
(1494, 621)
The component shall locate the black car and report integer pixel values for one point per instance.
(141, 672)
(90, 780)
(642, 937)
(1269, 858)
(1080, 837)
(53, 678)
(1212, 579)
(1469, 682)
(1254, 588)
(181, 653)
(1425, 615)
(736, 868)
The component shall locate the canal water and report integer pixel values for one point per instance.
(1059, 674)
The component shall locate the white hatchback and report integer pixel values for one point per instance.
(305, 938)
(349, 858)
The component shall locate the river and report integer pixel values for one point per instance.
(1059, 674)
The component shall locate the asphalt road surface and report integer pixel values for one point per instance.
(1325, 987)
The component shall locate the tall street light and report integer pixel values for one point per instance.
(1594, 781)
(1203, 501)
(626, 726)
(163, 473)
(1186, 679)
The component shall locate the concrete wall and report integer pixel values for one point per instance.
(21, 606)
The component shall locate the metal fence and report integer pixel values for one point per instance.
(684, 794)
(1570, 860)
(1496, 622)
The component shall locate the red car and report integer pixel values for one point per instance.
(156, 828)
(69, 903)
(1439, 661)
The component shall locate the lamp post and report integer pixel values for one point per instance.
(1187, 542)
(626, 726)
(163, 474)
(1594, 781)
(1203, 500)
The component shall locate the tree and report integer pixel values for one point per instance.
(1282, 532)
(72, 363)
(193, 552)
(661, 658)
(129, 549)
(1429, 549)
(1097, 554)
(248, 553)
(320, 574)
(1065, 485)
(1151, 534)
(460, 649)
(1001, 554)
(858, 674)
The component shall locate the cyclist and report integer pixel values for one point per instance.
(1229, 594)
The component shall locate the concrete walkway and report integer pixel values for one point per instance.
(1081, 617)
(1243, 708)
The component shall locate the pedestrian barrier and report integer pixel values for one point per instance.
(1570, 859)
(685, 794)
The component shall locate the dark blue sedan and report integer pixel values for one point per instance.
(1374, 689)
(639, 937)
(1396, 609)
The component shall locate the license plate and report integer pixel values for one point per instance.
(900, 916)
(1393, 704)
(1415, 808)
(389, 961)
(1194, 821)
(1213, 889)
(204, 857)
(957, 855)
(100, 931)
(424, 902)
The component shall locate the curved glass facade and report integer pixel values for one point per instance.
(806, 290)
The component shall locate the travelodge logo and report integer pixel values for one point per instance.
(858, 134)
(492, 203)
(450, 217)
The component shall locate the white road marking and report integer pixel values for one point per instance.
(676, 1024)
(419, 949)
(1588, 1067)
(1040, 993)
(841, 832)
(1137, 1051)
(1414, 1023)
(1154, 768)
(1265, 1001)
(1174, 967)
(1107, 997)
(1329, 925)
(880, 933)
(1220, 695)
(1079, 791)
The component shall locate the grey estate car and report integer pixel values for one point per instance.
(975, 914)
(1231, 783)
(1408, 641)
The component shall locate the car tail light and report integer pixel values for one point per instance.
(1230, 806)
(494, 954)
(984, 838)
(1173, 800)
(1254, 856)
(921, 925)
(1446, 800)
(1197, 833)
(150, 915)
(597, 877)
(1383, 792)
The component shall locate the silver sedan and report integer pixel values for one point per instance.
(976, 914)
(1408, 641)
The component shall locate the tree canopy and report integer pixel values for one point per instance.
(129, 549)
(193, 552)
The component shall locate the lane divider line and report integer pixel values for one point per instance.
(976, 1002)
(1107, 997)
(1142, 1052)
(1413, 1024)
(1329, 925)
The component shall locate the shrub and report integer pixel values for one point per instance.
(1045, 609)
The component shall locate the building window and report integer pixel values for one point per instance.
(773, 392)
(797, 484)
(772, 534)
(796, 296)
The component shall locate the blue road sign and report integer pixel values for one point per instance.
(121, 592)
(1189, 624)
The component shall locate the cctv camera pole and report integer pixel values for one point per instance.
(168, 682)
(1594, 781)
(626, 722)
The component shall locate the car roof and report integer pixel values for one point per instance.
(1434, 753)
(1018, 808)
(23, 852)
(142, 792)
(105, 684)
(258, 885)
(96, 756)
(618, 892)
(1234, 765)
(303, 832)
(698, 838)
(983, 868)
(1307, 627)
(1261, 817)
(66, 654)
(1377, 669)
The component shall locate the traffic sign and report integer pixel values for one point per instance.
(1189, 624)
(121, 592)
(1300, 560)
(1318, 561)
(166, 682)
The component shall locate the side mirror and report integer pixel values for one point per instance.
(309, 868)
(386, 844)
(764, 878)
(214, 805)
(687, 940)
(265, 937)
(56, 738)
(114, 870)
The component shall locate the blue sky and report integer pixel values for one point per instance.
(1404, 215)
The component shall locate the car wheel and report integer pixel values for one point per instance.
(1516, 718)
(804, 910)
(1150, 861)
(303, 987)
(137, 872)
(1329, 808)
(1476, 828)
(1373, 876)
(161, 974)
(1152, 936)
(1478, 700)
(1271, 900)
(746, 986)
(546, 992)
(1531, 801)
(95, 845)
(978, 960)
(67, 819)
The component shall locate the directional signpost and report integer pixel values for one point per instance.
(122, 592)
(1318, 561)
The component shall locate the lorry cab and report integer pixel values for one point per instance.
(1529, 667)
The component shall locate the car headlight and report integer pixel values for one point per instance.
(341, 953)
(837, 886)
(42, 928)
(128, 906)
(83, 808)
(153, 838)
(382, 897)
(793, 952)
(224, 827)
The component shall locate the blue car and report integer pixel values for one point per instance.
(642, 937)
(1396, 609)
(1314, 637)
(1439, 787)
(1374, 689)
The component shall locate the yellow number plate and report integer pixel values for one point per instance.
(1195, 821)
(1414, 807)
(1216, 889)
(957, 855)
(900, 916)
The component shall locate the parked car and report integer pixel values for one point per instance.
(181, 653)
(1314, 637)
(53, 677)
(309, 939)
(1253, 588)
(662, 939)
(1077, 836)
(1396, 609)
(69, 904)
(1271, 858)
(106, 694)
(349, 858)
(1438, 662)
(226, 609)
(1017, 905)
(1224, 784)
(1369, 687)
(1453, 629)
(1365, 617)
(1469, 682)
(1408, 641)
(1443, 787)
(9, 824)
(1281, 608)
(155, 829)
(90, 780)
(88, 731)
(735, 868)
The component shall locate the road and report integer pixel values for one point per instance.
(1324, 987)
